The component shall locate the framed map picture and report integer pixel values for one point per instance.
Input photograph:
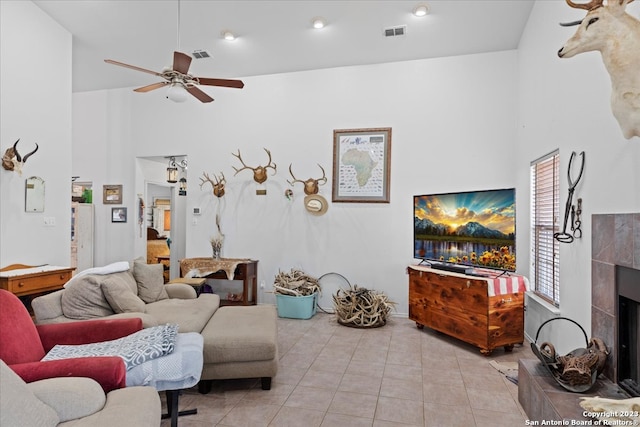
(361, 165)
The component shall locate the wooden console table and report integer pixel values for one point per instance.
(487, 312)
(226, 269)
(24, 280)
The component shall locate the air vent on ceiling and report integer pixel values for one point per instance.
(200, 54)
(398, 30)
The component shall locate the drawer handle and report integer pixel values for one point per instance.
(20, 284)
(506, 300)
(61, 276)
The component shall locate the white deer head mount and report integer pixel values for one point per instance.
(610, 30)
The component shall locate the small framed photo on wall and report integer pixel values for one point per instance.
(112, 194)
(118, 214)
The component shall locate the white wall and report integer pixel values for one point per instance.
(564, 103)
(35, 106)
(453, 122)
(460, 123)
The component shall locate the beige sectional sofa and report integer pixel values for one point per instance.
(239, 342)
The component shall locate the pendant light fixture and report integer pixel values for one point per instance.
(172, 171)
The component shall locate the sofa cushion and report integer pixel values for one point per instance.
(191, 314)
(19, 406)
(150, 280)
(117, 289)
(71, 398)
(241, 334)
(84, 299)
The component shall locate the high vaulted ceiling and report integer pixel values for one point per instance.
(273, 36)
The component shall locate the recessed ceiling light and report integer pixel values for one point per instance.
(421, 10)
(228, 35)
(318, 23)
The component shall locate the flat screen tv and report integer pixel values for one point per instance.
(472, 228)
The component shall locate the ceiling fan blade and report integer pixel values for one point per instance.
(133, 67)
(203, 97)
(238, 84)
(181, 62)
(151, 87)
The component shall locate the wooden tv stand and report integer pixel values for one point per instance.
(460, 306)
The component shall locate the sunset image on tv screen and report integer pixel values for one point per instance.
(475, 228)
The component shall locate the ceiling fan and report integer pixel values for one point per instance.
(179, 79)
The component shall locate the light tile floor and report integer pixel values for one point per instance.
(396, 375)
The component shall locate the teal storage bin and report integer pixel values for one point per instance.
(296, 307)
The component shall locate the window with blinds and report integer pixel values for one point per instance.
(545, 208)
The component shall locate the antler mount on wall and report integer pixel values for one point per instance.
(259, 172)
(13, 161)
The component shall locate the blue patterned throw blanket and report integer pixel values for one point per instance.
(134, 349)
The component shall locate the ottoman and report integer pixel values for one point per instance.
(240, 342)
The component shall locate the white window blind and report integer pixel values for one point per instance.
(545, 208)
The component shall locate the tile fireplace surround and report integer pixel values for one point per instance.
(615, 240)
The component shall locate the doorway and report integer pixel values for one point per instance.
(164, 214)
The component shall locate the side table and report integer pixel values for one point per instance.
(23, 280)
(225, 269)
(27, 282)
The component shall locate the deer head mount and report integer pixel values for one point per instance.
(12, 161)
(616, 35)
(217, 183)
(311, 186)
(259, 172)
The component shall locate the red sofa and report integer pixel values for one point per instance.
(23, 344)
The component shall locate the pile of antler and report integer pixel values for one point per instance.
(296, 283)
(361, 307)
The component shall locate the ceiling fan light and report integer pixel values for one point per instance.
(318, 23)
(228, 35)
(177, 93)
(421, 10)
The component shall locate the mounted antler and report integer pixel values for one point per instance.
(586, 6)
(311, 186)
(12, 161)
(217, 184)
(259, 172)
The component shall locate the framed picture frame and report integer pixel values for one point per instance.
(361, 165)
(112, 194)
(118, 214)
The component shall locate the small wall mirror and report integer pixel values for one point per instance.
(34, 194)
